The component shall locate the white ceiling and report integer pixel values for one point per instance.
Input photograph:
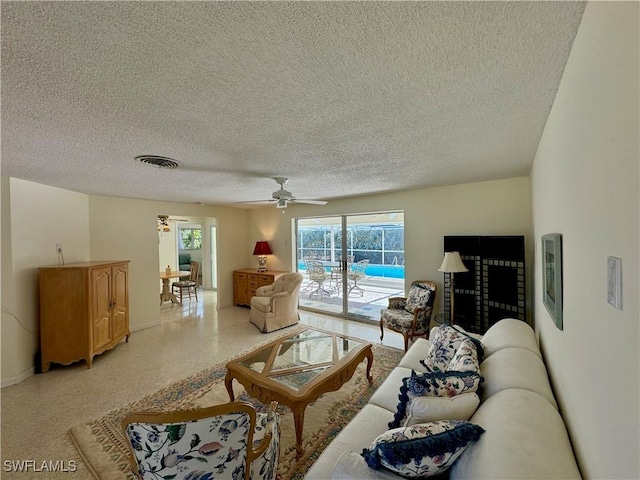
(343, 98)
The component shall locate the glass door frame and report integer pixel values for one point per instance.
(328, 253)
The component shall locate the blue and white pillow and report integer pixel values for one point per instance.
(444, 345)
(465, 358)
(422, 450)
(434, 384)
(418, 296)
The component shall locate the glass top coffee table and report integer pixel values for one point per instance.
(295, 370)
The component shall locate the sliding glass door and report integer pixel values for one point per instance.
(351, 264)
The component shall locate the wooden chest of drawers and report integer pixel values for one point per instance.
(248, 280)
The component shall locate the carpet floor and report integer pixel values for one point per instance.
(104, 449)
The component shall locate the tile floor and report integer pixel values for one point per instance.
(375, 295)
(38, 412)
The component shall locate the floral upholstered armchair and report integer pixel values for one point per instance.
(223, 441)
(410, 316)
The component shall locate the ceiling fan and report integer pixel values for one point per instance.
(283, 197)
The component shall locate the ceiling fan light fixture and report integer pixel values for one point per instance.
(163, 225)
(281, 203)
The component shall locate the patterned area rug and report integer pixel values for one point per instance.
(104, 449)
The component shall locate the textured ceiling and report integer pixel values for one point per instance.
(343, 98)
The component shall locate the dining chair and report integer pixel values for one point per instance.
(223, 441)
(190, 285)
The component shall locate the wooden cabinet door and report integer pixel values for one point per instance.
(119, 292)
(101, 307)
(240, 288)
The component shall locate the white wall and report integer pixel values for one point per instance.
(39, 216)
(136, 239)
(35, 217)
(585, 187)
(501, 207)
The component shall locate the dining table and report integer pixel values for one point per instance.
(166, 276)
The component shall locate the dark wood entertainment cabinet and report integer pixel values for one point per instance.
(494, 286)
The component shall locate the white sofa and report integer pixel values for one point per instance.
(525, 436)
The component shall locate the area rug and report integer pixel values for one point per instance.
(104, 449)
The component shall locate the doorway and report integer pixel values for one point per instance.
(351, 264)
(190, 238)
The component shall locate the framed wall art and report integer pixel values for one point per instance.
(552, 276)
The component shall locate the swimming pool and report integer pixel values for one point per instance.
(375, 270)
(389, 271)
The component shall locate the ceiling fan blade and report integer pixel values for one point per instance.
(308, 201)
(271, 200)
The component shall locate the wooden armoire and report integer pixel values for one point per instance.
(494, 286)
(84, 310)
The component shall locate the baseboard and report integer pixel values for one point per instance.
(144, 326)
(18, 378)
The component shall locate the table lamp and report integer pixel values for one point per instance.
(262, 249)
(452, 263)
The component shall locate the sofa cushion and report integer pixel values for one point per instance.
(444, 344)
(525, 438)
(422, 450)
(507, 333)
(416, 353)
(386, 396)
(351, 465)
(431, 409)
(359, 433)
(515, 368)
(434, 384)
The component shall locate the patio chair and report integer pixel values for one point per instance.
(317, 276)
(357, 272)
(223, 441)
(410, 316)
(336, 273)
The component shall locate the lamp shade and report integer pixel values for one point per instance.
(262, 248)
(452, 263)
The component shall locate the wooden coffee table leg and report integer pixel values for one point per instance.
(369, 364)
(298, 421)
(228, 382)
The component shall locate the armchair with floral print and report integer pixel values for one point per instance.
(410, 316)
(228, 441)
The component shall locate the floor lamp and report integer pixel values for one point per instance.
(452, 263)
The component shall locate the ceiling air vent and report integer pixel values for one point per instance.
(158, 161)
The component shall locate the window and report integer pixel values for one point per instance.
(378, 238)
(190, 238)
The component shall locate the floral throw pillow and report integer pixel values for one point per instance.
(445, 343)
(418, 296)
(434, 384)
(465, 358)
(422, 450)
